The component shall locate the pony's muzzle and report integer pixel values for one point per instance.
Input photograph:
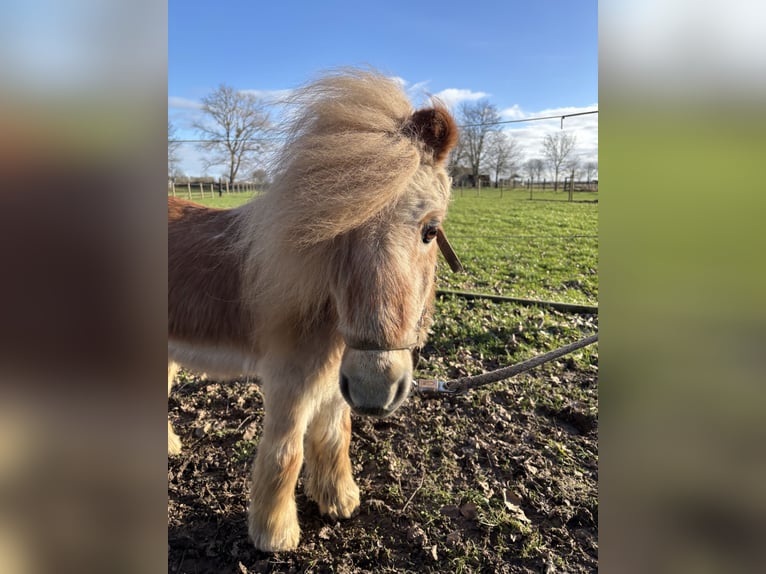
(375, 383)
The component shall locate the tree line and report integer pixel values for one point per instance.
(484, 147)
(236, 133)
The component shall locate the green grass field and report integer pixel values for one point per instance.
(545, 249)
(225, 201)
(541, 249)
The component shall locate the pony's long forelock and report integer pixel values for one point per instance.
(353, 147)
(350, 149)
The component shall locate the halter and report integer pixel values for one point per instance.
(362, 346)
(380, 348)
(455, 265)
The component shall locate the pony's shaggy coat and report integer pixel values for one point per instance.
(319, 287)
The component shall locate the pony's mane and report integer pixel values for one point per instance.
(349, 152)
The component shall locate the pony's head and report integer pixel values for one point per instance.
(384, 288)
(361, 187)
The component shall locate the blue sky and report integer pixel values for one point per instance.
(527, 58)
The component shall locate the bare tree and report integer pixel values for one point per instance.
(260, 177)
(556, 149)
(173, 146)
(572, 167)
(237, 130)
(591, 169)
(503, 154)
(457, 159)
(478, 119)
(534, 168)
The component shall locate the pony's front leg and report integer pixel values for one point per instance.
(329, 481)
(273, 516)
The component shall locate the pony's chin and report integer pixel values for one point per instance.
(373, 411)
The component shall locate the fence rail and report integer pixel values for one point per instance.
(202, 189)
(575, 193)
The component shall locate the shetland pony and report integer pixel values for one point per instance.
(321, 287)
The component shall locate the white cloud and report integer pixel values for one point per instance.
(512, 113)
(418, 93)
(179, 103)
(451, 97)
(530, 135)
(191, 160)
(399, 80)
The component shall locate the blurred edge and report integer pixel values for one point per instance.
(83, 287)
(82, 295)
(682, 279)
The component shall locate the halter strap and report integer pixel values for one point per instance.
(380, 348)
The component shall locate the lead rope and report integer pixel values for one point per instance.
(465, 384)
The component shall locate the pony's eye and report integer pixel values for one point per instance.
(429, 233)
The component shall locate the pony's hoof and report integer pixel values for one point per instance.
(341, 503)
(285, 535)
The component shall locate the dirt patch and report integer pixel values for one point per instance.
(498, 480)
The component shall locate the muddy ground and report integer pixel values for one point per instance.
(502, 479)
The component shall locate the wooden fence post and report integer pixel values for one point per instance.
(571, 186)
(188, 188)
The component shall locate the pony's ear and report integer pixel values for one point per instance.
(437, 129)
